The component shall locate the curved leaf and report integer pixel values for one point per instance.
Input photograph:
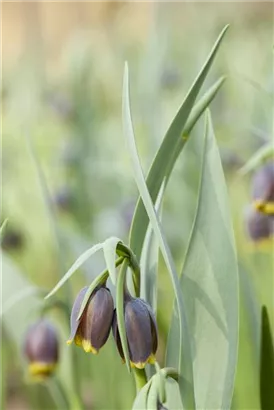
(149, 260)
(110, 246)
(140, 402)
(183, 348)
(77, 264)
(169, 150)
(210, 286)
(173, 401)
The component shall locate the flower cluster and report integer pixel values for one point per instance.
(92, 329)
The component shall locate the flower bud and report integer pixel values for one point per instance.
(91, 331)
(141, 332)
(263, 189)
(41, 348)
(259, 226)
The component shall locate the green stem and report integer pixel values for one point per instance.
(170, 372)
(125, 251)
(140, 378)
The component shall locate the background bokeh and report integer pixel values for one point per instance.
(66, 176)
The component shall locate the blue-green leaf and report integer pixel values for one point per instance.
(173, 401)
(183, 348)
(209, 282)
(120, 311)
(170, 148)
(140, 402)
(149, 260)
(77, 264)
(110, 246)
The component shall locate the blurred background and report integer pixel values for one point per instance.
(67, 180)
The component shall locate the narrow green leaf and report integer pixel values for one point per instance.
(152, 397)
(140, 402)
(267, 363)
(262, 155)
(120, 311)
(110, 246)
(149, 260)
(173, 401)
(209, 283)
(77, 264)
(195, 114)
(164, 160)
(184, 353)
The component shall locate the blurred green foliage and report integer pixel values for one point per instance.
(67, 181)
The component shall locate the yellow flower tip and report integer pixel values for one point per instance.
(138, 365)
(151, 359)
(78, 340)
(69, 342)
(41, 370)
(259, 205)
(264, 207)
(269, 208)
(88, 348)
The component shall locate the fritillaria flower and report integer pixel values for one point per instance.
(41, 348)
(263, 189)
(141, 332)
(259, 226)
(91, 331)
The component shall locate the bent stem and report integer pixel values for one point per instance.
(123, 250)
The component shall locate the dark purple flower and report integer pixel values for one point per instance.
(41, 348)
(141, 332)
(91, 331)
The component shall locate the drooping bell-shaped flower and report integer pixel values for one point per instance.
(259, 226)
(141, 332)
(41, 348)
(91, 331)
(263, 188)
